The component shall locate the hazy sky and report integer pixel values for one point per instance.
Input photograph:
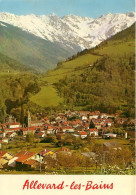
(91, 8)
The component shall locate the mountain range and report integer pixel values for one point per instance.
(30, 50)
(71, 30)
(40, 42)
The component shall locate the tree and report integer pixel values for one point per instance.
(49, 139)
(91, 125)
(22, 115)
(30, 137)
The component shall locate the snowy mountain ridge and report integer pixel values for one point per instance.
(82, 31)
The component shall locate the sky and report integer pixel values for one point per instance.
(89, 8)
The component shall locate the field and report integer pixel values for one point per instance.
(48, 96)
(16, 146)
(118, 49)
(68, 68)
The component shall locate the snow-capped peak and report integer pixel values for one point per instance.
(83, 31)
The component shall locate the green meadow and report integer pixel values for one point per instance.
(48, 96)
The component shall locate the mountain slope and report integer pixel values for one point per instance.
(8, 65)
(100, 78)
(68, 30)
(30, 50)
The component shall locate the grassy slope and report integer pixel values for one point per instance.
(70, 67)
(48, 96)
(119, 45)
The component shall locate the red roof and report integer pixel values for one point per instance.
(94, 129)
(31, 128)
(40, 133)
(13, 124)
(67, 127)
(50, 127)
(78, 121)
(15, 129)
(30, 162)
(43, 152)
(9, 133)
(82, 133)
(21, 153)
(2, 153)
(24, 155)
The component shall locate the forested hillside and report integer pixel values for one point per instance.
(100, 78)
(15, 91)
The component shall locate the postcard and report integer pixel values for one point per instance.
(67, 97)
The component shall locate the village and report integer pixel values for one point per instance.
(71, 139)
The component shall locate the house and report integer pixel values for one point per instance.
(14, 125)
(36, 123)
(20, 161)
(25, 131)
(82, 134)
(47, 153)
(3, 162)
(110, 135)
(109, 122)
(22, 158)
(31, 164)
(5, 140)
(11, 134)
(4, 158)
(31, 129)
(94, 115)
(50, 130)
(60, 119)
(79, 128)
(74, 124)
(46, 120)
(84, 118)
(84, 113)
(104, 115)
(28, 130)
(6, 155)
(40, 134)
(98, 125)
(93, 132)
(67, 129)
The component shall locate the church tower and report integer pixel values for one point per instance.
(29, 119)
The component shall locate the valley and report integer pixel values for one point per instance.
(67, 108)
